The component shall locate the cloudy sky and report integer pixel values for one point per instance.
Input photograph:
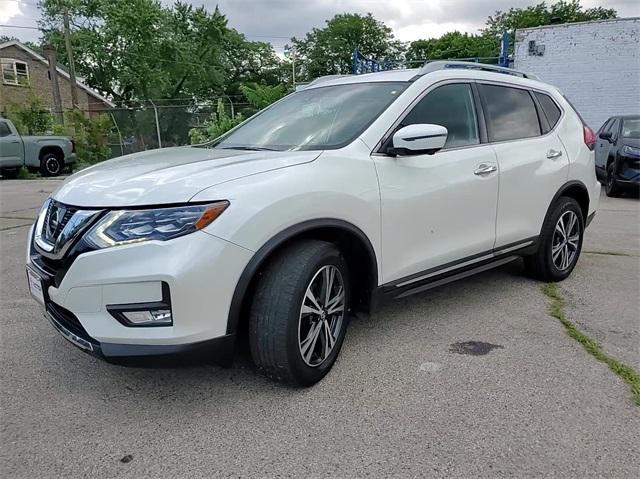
(278, 20)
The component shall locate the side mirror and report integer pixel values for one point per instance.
(606, 135)
(419, 139)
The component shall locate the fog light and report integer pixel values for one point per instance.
(150, 317)
(144, 315)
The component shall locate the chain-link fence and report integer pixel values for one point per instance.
(165, 123)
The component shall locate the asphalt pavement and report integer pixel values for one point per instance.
(472, 379)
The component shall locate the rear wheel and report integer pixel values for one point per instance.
(299, 315)
(612, 188)
(560, 242)
(51, 164)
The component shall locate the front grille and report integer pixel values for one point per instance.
(57, 217)
(68, 321)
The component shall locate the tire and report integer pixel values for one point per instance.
(51, 164)
(549, 263)
(611, 187)
(286, 343)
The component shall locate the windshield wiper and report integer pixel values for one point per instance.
(248, 148)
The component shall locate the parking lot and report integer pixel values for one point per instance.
(406, 398)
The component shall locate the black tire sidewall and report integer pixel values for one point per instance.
(44, 170)
(610, 187)
(564, 205)
(304, 374)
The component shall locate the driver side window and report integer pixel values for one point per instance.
(451, 106)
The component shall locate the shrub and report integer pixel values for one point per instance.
(217, 124)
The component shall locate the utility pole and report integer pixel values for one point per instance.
(50, 53)
(290, 52)
(72, 68)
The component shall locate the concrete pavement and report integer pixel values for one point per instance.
(403, 400)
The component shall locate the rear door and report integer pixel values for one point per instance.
(10, 146)
(532, 160)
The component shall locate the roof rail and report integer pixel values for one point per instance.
(432, 66)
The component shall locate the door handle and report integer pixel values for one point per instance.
(485, 169)
(553, 154)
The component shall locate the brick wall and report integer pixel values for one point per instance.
(40, 83)
(595, 64)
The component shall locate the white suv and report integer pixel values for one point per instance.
(351, 190)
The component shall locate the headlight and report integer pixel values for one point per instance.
(133, 226)
(631, 151)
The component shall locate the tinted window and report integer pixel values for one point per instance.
(631, 128)
(614, 127)
(605, 125)
(510, 112)
(452, 107)
(4, 129)
(551, 110)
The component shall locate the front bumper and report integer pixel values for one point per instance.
(627, 171)
(200, 270)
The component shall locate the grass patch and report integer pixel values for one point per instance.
(626, 373)
(23, 174)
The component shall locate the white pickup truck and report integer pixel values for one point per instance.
(47, 154)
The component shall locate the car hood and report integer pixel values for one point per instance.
(169, 175)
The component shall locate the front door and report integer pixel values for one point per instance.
(10, 147)
(440, 208)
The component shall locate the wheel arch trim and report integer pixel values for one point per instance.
(275, 242)
(562, 190)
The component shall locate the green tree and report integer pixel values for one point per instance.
(452, 45)
(328, 50)
(544, 14)
(137, 49)
(261, 96)
(249, 62)
(31, 117)
(216, 125)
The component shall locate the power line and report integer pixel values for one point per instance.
(248, 35)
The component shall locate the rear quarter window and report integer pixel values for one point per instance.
(549, 108)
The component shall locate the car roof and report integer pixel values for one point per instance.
(626, 117)
(414, 74)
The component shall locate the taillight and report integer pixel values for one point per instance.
(589, 137)
(73, 146)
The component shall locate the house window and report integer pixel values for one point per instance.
(14, 72)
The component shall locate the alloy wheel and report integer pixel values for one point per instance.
(321, 315)
(52, 165)
(566, 239)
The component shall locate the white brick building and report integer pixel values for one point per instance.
(595, 64)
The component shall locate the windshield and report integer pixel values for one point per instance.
(316, 119)
(631, 128)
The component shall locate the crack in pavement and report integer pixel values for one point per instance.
(624, 372)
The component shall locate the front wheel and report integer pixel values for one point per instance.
(300, 313)
(51, 164)
(612, 189)
(560, 242)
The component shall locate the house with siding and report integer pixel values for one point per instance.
(21, 67)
